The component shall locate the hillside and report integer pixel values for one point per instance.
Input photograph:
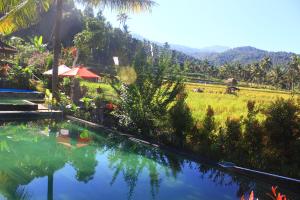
(219, 55)
(245, 55)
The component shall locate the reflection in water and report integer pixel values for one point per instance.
(109, 165)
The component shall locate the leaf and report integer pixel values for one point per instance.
(40, 42)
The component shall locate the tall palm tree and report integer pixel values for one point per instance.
(22, 13)
(277, 77)
(293, 70)
(122, 18)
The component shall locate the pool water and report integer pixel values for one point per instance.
(14, 101)
(61, 160)
(16, 90)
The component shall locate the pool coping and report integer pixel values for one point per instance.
(17, 115)
(285, 182)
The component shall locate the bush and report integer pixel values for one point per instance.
(253, 135)
(233, 138)
(181, 120)
(145, 102)
(283, 126)
(209, 124)
(202, 136)
(67, 85)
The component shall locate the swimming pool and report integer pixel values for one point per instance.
(61, 160)
(21, 94)
(7, 104)
(16, 90)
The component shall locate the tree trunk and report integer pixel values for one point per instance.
(50, 187)
(57, 48)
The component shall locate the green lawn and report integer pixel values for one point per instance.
(108, 91)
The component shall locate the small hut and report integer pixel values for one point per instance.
(231, 86)
(231, 82)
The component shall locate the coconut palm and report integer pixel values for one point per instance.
(277, 76)
(22, 13)
(293, 71)
(122, 18)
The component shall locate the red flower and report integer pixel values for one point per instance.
(110, 106)
(274, 190)
(251, 196)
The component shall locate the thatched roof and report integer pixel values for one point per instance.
(231, 81)
(6, 49)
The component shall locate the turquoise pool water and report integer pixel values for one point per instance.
(61, 160)
(14, 101)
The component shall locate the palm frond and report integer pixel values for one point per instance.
(20, 14)
(122, 5)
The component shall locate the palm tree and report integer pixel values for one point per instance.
(122, 18)
(22, 13)
(293, 71)
(276, 77)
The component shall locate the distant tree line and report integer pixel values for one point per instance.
(261, 73)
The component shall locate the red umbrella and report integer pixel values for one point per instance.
(82, 72)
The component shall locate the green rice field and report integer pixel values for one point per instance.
(224, 105)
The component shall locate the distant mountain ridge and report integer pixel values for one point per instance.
(246, 55)
(243, 55)
(219, 55)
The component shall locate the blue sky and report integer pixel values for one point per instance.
(266, 24)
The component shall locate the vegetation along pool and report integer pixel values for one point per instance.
(61, 160)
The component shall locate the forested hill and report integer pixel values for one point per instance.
(245, 55)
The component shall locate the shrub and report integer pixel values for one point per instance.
(282, 126)
(67, 85)
(209, 124)
(253, 135)
(181, 120)
(233, 137)
(145, 102)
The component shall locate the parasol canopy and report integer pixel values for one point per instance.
(82, 72)
(61, 69)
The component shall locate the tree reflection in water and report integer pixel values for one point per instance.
(132, 159)
(39, 149)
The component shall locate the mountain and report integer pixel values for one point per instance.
(219, 55)
(189, 50)
(245, 55)
(196, 52)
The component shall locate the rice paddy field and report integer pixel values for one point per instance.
(224, 105)
(228, 105)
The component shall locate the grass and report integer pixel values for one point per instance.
(108, 91)
(227, 105)
(224, 105)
